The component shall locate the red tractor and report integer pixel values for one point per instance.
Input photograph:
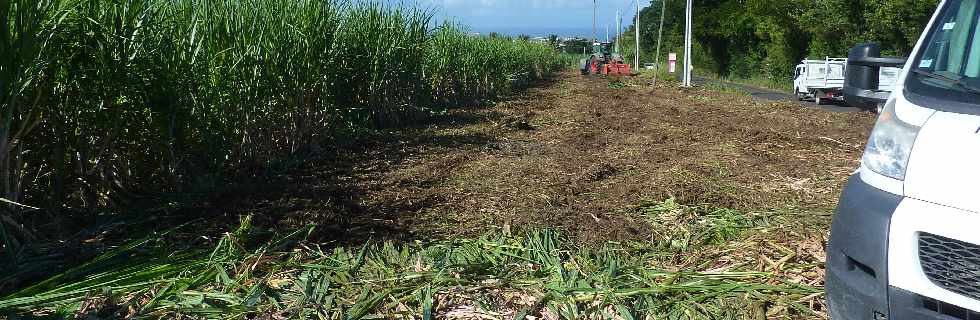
(603, 61)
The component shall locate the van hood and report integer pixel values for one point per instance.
(944, 165)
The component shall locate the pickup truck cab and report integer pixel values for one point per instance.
(905, 239)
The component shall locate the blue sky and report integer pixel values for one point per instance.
(534, 17)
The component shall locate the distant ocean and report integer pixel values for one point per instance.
(542, 32)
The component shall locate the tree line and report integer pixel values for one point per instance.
(767, 38)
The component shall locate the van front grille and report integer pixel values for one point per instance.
(949, 310)
(951, 264)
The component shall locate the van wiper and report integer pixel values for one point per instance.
(958, 82)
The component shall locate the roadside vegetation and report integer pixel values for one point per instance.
(724, 87)
(760, 42)
(757, 81)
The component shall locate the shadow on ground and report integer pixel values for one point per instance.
(325, 189)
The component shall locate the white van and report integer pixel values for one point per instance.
(905, 240)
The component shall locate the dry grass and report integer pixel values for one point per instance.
(575, 153)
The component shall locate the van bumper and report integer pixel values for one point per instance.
(857, 262)
(856, 277)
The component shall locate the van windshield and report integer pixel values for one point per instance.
(949, 66)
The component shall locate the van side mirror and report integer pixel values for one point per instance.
(864, 62)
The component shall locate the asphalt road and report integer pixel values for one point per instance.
(773, 95)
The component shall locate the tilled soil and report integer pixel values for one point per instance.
(577, 153)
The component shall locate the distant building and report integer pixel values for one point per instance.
(574, 45)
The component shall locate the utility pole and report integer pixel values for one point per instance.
(688, 39)
(607, 33)
(637, 65)
(619, 30)
(594, 36)
(660, 35)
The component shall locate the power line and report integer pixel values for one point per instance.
(636, 26)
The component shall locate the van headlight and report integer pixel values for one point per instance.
(890, 144)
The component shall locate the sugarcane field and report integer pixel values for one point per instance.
(437, 159)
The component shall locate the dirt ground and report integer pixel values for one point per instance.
(574, 153)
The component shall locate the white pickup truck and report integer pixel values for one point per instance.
(823, 80)
(820, 80)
